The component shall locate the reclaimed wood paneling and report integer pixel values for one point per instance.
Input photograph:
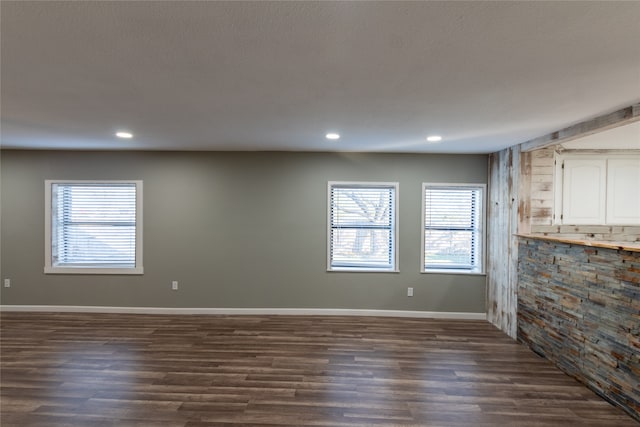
(579, 307)
(502, 247)
(521, 200)
(542, 200)
(525, 190)
(616, 233)
(541, 191)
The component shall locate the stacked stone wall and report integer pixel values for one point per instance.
(579, 307)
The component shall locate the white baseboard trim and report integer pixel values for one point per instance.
(246, 311)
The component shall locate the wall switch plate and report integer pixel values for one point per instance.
(7, 283)
(409, 292)
(174, 285)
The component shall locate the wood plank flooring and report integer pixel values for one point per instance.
(70, 369)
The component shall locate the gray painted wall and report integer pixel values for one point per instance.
(245, 230)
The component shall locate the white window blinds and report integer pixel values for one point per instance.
(94, 225)
(452, 227)
(362, 226)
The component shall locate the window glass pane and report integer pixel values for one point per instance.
(94, 225)
(452, 227)
(362, 207)
(361, 247)
(361, 228)
(450, 208)
(449, 249)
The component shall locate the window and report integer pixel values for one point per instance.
(93, 227)
(452, 228)
(362, 226)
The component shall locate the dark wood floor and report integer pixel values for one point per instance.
(150, 370)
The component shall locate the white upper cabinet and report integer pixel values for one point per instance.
(583, 191)
(598, 189)
(623, 191)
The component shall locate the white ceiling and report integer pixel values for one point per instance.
(279, 75)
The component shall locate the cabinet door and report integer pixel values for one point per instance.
(623, 191)
(583, 191)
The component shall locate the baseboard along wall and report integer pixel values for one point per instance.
(246, 311)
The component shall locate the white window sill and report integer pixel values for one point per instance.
(453, 271)
(360, 270)
(93, 270)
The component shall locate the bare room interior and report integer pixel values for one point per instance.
(319, 213)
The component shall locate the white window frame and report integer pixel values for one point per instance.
(481, 247)
(49, 268)
(394, 228)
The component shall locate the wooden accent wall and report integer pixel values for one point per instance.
(521, 201)
(502, 245)
(539, 175)
(579, 307)
(541, 190)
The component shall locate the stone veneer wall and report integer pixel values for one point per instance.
(579, 307)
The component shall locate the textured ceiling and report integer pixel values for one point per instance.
(279, 75)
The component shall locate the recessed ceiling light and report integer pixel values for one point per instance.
(332, 135)
(125, 135)
(434, 138)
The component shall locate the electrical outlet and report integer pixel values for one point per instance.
(7, 283)
(174, 285)
(409, 292)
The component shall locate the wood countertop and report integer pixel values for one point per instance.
(625, 246)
